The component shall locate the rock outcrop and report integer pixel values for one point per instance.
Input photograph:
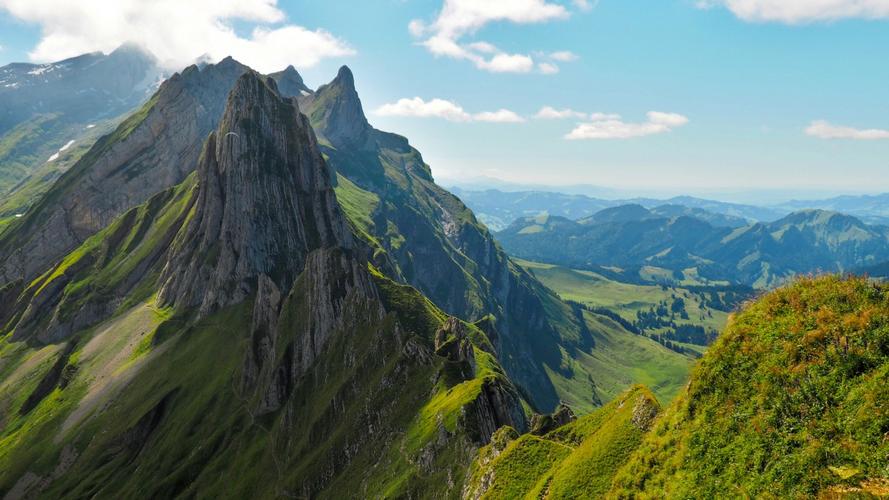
(542, 424)
(263, 202)
(336, 107)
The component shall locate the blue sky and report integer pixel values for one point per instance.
(781, 96)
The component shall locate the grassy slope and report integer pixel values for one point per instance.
(789, 402)
(48, 194)
(207, 431)
(619, 358)
(577, 460)
(143, 359)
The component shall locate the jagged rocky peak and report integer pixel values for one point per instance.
(263, 202)
(290, 82)
(337, 111)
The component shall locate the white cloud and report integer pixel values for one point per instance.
(605, 126)
(448, 110)
(176, 32)
(416, 27)
(483, 47)
(802, 11)
(563, 56)
(547, 68)
(418, 108)
(585, 4)
(598, 117)
(499, 116)
(508, 63)
(667, 119)
(551, 113)
(460, 18)
(824, 130)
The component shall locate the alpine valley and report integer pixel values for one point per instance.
(226, 284)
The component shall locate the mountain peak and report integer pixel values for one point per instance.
(263, 203)
(345, 78)
(290, 82)
(337, 111)
(132, 49)
(622, 213)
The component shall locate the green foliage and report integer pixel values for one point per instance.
(789, 402)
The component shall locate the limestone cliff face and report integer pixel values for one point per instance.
(264, 202)
(154, 149)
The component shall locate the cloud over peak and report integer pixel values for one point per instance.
(176, 32)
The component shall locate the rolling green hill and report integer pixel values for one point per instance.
(690, 316)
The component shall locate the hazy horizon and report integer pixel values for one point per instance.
(728, 194)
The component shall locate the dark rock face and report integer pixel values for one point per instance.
(152, 150)
(496, 406)
(542, 424)
(264, 201)
(336, 295)
(451, 342)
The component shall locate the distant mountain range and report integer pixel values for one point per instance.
(51, 113)
(757, 254)
(499, 208)
(873, 209)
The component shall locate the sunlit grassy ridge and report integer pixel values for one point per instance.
(791, 401)
(577, 460)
